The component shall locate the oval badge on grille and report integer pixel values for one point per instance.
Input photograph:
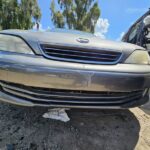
(82, 40)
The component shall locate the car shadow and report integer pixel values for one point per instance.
(146, 108)
(24, 128)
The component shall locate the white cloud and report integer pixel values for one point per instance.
(121, 36)
(102, 27)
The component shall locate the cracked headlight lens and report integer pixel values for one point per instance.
(10, 43)
(138, 57)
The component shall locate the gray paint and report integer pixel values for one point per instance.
(71, 39)
(37, 71)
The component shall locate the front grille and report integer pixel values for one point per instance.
(48, 96)
(82, 55)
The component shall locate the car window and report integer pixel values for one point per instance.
(133, 33)
(146, 22)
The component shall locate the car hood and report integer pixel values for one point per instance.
(71, 39)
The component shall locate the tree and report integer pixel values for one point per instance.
(21, 14)
(29, 10)
(76, 14)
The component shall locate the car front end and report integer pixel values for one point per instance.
(61, 69)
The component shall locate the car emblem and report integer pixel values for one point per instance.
(81, 40)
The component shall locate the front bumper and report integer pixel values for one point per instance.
(39, 72)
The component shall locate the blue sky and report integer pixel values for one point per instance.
(116, 15)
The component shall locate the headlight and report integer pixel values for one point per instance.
(14, 44)
(138, 57)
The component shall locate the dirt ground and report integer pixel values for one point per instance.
(24, 129)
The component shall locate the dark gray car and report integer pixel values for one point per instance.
(139, 32)
(71, 69)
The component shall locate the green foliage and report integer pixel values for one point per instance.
(76, 14)
(16, 14)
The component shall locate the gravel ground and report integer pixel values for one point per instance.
(24, 129)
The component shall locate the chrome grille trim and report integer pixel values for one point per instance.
(82, 55)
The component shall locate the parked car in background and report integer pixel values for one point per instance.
(139, 32)
(65, 68)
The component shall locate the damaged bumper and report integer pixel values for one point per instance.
(36, 81)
